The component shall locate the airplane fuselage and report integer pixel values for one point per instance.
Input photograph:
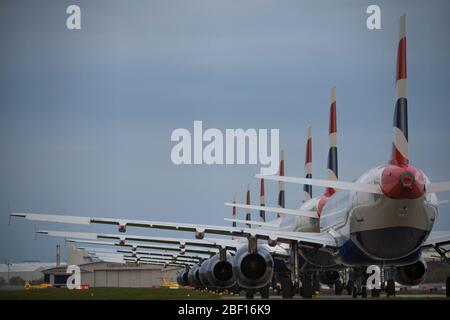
(370, 228)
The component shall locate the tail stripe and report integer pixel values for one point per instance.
(248, 216)
(332, 153)
(234, 215)
(307, 189)
(332, 163)
(281, 185)
(262, 201)
(400, 140)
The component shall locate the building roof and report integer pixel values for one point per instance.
(26, 266)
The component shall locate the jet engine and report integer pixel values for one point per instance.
(253, 269)
(220, 272)
(182, 277)
(194, 277)
(412, 274)
(203, 273)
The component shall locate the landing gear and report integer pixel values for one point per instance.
(349, 287)
(307, 286)
(316, 282)
(265, 292)
(355, 291)
(390, 288)
(249, 293)
(287, 289)
(364, 292)
(338, 287)
(357, 281)
(447, 287)
(375, 293)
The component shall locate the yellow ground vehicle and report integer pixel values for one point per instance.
(29, 286)
(169, 284)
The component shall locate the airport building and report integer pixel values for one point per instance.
(94, 272)
(113, 275)
(28, 271)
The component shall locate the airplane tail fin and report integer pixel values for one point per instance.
(307, 189)
(281, 185)
(248, 215)
(400, 141)
(332, 166)
(262, 202)
(234, 215)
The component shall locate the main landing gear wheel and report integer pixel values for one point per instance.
(338, 287)
(390, 288)
(375, 293)
(364, 292)
(349, 288)
(307, 287)
(249, 293)
(265, 292)
(287, 289)
(316, 283)
(447, 287)
(354, 291)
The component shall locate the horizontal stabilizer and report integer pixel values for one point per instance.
(438, 187)
(293, 212)
(258, 223)
(53, 218)
(340, 185)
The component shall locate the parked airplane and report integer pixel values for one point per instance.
(384, 218)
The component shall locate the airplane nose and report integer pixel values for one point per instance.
(402, 182)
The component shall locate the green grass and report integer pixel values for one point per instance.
(105, 294)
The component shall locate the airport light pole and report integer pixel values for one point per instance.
(8, 264)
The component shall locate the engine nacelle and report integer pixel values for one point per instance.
(199, 234)
(253, 270)
(182, 277)
(203, 273)
(220, 272)
(193, 276)
(328, 277)
(412, 274)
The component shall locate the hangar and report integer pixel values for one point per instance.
(113, 275)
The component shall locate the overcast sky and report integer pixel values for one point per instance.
(86, 116)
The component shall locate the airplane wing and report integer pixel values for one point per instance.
(153, 262)
(252, 222)
(350, 186)
(135, 246)
(293, 212)
(437, 239)
(206, 242)
(303, 238)
(335, 184)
